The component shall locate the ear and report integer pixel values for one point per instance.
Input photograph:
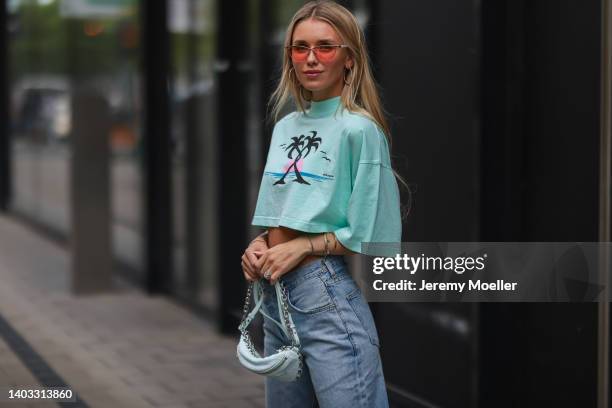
(348, 63)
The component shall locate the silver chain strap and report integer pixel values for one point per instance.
(285, 311)
(285, 305)
(245, 312)
(247, 301)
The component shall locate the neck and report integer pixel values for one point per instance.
(324, 107)
(326, 94)
(322, 97)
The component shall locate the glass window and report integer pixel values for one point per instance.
(54, 48)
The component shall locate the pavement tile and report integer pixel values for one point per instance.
(118, 349)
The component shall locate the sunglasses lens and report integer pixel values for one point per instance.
(299, 53)
(326, 53)
(322, 53)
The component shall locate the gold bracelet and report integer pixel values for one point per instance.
(326, 243)
(311, 247)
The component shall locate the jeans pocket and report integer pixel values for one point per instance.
(364, 314)
(310, 296)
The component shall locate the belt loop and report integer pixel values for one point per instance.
(329, 267)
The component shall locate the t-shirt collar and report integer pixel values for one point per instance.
(325, 107)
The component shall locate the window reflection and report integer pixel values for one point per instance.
(54, 48)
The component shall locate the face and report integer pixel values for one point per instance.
(324, 78)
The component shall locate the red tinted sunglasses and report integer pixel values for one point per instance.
(324, 53)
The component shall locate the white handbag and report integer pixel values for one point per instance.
(286, 364)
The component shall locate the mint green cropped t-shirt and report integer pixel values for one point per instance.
(329, 170)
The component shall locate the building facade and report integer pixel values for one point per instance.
(137, 131)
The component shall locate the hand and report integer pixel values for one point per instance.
(282, 258)
(249, 259)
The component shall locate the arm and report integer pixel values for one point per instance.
(284, 257)
(263, 237)
(316, 245)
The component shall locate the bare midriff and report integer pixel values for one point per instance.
(280, 235)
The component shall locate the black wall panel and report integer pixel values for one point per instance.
(495, 115)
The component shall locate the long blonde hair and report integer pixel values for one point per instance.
(360, 95)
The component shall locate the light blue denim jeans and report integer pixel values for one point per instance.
(338, 336)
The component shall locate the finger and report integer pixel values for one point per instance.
(252, 262)
(268, 267)
(245, 270)
(275, 276)
(248, 261)
(273, 272)
(247, 266)
(262, 264)
(251, 275)
(262, 258)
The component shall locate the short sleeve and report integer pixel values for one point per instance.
(267, 205)
(373, 213)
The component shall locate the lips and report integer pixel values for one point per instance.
(312, 74)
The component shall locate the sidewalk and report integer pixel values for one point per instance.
(123, 349)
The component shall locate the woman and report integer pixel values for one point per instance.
(327, 187)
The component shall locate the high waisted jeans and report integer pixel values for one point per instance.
(339, 341)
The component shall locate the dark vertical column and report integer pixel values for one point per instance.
(426, 60)
(231, 114)
(269, 63)
(5, 163)
(371, 32)
(90, 205)
(156, 137)
(90, 238)
(541, 91)
(193, 141)
(503, 89)
(605, 168)
(503, 93)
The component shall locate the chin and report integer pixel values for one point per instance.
(314, 88)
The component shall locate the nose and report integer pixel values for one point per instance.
(312, 58)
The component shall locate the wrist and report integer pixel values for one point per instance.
(304, 245)
(263, 237)
(256, 240)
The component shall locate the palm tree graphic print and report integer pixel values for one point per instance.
(299, 148)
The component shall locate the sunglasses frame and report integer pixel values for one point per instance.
(315, 49)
